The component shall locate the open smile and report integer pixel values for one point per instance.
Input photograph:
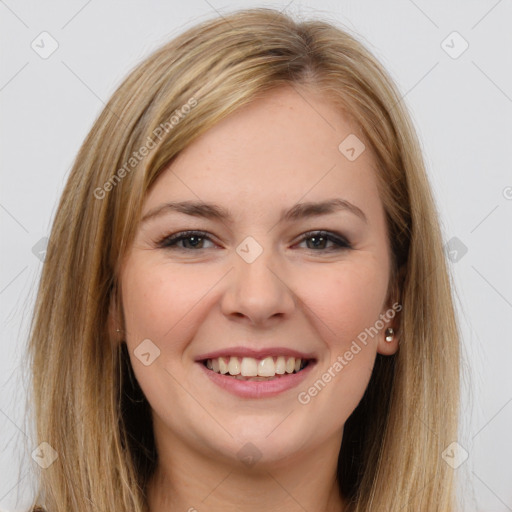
(249, 377)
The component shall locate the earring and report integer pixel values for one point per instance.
(389, 334)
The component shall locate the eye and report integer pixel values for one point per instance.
(194, 240)
(321, 238)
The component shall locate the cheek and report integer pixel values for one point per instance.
(161, 303)
(343, 304)
(158, 299)
(346, 300)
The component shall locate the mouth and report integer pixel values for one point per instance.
(250, 369)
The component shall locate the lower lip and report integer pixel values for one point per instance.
(258, 389)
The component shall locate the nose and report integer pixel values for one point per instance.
(258, 291)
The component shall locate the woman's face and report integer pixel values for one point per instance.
(252, 289)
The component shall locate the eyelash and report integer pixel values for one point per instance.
(170, 241)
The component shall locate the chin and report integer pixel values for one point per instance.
(261, 443)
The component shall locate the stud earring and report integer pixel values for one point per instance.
(389, 334)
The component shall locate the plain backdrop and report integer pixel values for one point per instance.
(458, 87)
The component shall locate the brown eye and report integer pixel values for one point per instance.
(191, 240)
(321, 238)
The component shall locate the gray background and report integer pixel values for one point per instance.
(462, 108)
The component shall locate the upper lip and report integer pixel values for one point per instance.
(260, 353)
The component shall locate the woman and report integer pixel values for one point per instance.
(245, 303)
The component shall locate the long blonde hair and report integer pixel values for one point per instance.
(87, 404)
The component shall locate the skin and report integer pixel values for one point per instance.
(280, 150)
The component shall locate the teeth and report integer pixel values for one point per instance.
(266, 367)
(234, 366)
(223, 366)
(280, 365)
(250, 367)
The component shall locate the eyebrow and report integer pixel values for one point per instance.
(216, 212)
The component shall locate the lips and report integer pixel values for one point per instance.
(259, 373)
(245, 362)
(262, 387)
(256, 354)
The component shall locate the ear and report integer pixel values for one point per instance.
(391, 316)
(115, 319)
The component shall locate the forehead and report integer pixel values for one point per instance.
(283, 148)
